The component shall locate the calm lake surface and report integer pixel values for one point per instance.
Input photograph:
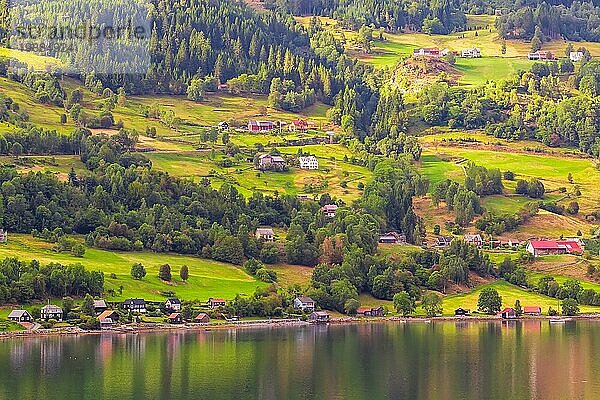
(443, 360)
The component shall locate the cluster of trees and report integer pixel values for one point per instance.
(541, 21)
(22, 282)
(392, 15)
(460, 108)
(493, 224)
(534, 188)
(465, 203)
(570, 289)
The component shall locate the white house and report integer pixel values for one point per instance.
(576, 56)
(173, 304)
(308, 162)
(51, 311)
(329, 210)
(471, 53)
(304, 303)
(265, 234)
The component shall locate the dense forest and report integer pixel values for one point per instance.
(431, 17)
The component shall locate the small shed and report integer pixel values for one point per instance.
(462, 312)
(508, 313)
(175, 318)
(319, 317)
(202, 318)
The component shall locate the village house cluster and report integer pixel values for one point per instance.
(435, 52)
(536, 247)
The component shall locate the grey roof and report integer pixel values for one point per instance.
(174, 300)
(100, 304)
(51, 308)
(17, 313)
(265, 231)
(305, 299)
(138, 302)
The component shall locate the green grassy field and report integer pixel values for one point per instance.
(207, 278)
(58, 165)
(509, 294)
(330, 174)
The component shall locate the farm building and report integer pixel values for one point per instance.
(546, 247)
(298, 125)
(223, 125)
(216, 303)
(260, 126)
(3, 236)
(268, 161)
(20, 316)
(443, 241)
(304, 303)
(265, 234)
(51, 311)
(576, 56)
(392, 238)
(308, 162)
(475, 240)
(471, 53)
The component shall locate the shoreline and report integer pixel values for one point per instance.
(144, 328)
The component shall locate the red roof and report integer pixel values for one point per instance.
(300, 122)
(532, 309)
(201, 316)
(506, 310)
(570, 245)
(363, 310)
(174, 315)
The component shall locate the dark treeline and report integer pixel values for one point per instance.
(432, 17)
(572, 20)
(22, 282)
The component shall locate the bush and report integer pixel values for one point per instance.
(266, 275)
(164, 272)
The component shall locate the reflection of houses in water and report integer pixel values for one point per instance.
(52, 354)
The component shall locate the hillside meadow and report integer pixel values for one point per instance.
(207, 278)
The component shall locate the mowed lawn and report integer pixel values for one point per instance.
(510, 294)
(207, 278)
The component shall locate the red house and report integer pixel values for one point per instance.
(260, 126)
(298, 125)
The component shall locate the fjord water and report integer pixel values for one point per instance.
(440, 360)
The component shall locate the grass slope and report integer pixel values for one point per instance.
(509, 294)
(207, 278)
